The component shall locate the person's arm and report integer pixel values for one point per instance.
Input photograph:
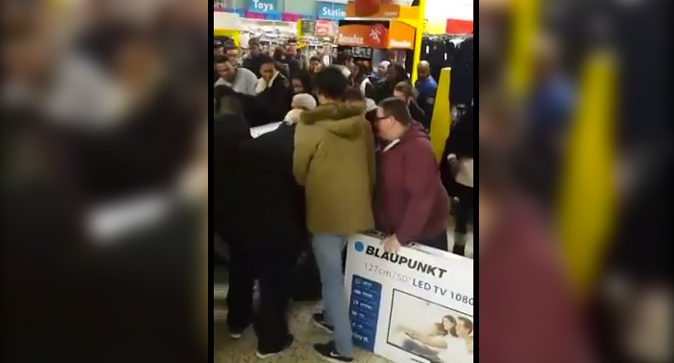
(433, 341)
(371, 162)
(460, 140)
(419, 172)
(427, 100)
(306, 142)
(251, 83)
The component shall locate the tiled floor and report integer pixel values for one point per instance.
(243, 351)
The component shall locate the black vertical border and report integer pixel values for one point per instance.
(211, 352)
(476, 254)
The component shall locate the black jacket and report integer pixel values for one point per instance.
(274, 102)
(265, 206)
(146, 152)
(253, 64)
(419, 115)
(293, 66)
(228, 132)
(383, 90)
(460, 143)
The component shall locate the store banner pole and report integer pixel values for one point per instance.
(585, 227)
(525, 25)
(421, 24)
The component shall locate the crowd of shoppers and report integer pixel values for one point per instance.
(352, 154)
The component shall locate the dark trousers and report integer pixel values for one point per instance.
(273, 270)
(465, 208)
(439, 242)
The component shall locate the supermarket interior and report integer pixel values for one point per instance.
(399, 33)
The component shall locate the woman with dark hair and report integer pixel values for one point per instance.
(360, 80)
(394, 75)
(315, 65)
(288, 64)
(301, 82)
(281, 62)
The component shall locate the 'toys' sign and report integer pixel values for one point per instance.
(330, 11)
(263, 6)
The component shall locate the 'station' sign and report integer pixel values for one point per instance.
(330, 11)
(397, 300)
(263, 6)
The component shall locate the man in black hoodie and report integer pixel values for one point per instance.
(262, 217)
(253, 60)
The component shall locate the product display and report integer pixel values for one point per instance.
(414, 306)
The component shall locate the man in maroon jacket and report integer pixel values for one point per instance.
(527, 313)
(411, 202)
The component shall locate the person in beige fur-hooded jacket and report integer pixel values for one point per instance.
(334, 160)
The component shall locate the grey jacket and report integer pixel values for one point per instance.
(244, 82)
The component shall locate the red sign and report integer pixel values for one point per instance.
(360, 35)
(397, 35)
(455, 26)
(323, 28)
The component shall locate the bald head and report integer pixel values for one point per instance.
(423, 70)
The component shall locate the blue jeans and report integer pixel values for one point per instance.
(328, 251)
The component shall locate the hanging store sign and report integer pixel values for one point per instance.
(360, 35)
(382, 35)
(323, 28)
(308, 27)
(401, 36)
(330, 11)
(381, 9)
(263, 6)
(456, 26)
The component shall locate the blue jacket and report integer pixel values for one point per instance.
(427, 89)
(550, 107)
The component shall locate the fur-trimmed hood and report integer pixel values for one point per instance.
(341, 119)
